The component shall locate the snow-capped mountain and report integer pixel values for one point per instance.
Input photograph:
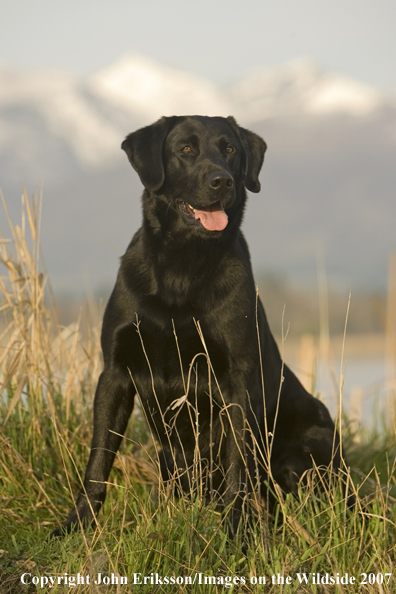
(328, 178)
(141, 86)
(63, 106)
(301, 86)
(91, 115)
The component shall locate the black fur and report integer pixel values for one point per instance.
(178, 275)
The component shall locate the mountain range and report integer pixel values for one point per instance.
(328, 181)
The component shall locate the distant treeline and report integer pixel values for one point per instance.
(303, 308)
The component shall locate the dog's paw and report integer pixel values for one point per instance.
(81, 516)
(64, 529)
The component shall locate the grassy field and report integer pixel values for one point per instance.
(146, 539)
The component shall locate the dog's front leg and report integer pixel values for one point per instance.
(235, 463)
(113, 406)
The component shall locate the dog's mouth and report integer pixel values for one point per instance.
(212, 217)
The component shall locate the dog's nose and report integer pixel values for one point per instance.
(220, 180)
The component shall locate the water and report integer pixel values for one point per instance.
(365, 396)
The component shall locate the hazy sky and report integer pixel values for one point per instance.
(218, 39)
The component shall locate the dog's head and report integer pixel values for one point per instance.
(199, 164)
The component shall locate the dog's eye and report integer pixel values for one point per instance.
(186, 149)
(230, 149)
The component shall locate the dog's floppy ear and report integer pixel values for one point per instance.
(145, 152)
(254, 148)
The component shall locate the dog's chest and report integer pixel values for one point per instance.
(172, 357)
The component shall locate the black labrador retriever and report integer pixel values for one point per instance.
(185, 331)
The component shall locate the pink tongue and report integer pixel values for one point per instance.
(213, 218)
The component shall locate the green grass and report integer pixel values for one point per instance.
(47, 382)
(145, 530)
